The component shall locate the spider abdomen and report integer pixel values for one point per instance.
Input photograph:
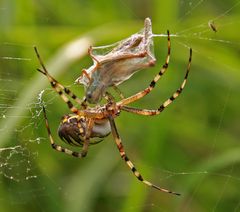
(72, 130)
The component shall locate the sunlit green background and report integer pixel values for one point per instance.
(192, 148)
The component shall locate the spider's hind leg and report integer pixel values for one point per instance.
(128, 162)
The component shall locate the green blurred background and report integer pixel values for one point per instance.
(192, 147)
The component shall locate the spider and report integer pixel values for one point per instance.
(86, 123)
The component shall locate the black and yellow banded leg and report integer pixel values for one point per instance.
(148, 112)
(128, 162)
(147, 90)
(59, 88)
(67, 151)
(55, 86)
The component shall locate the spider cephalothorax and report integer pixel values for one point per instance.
(87, 123)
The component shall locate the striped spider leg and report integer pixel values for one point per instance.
(58, 87)
(157, 77)
(67, 129)
(122, 152)
(151, 86)
(147, 90)
(122, 104)
(139, 95)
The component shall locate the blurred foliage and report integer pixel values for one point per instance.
(192, 148)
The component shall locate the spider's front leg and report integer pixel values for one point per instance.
(60, 89)
(147, 112)
(151, 86)
(127, 160)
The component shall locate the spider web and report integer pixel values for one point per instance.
(24, 171)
